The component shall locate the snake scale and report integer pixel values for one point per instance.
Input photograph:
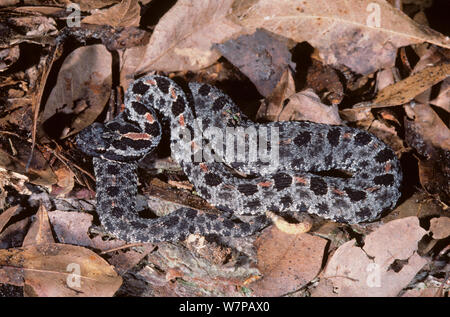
(301, 180)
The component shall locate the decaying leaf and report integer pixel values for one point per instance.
(183, 37)
(443, 99)
(40, 231)
(125, 13)
(440, 227)
(262, 56)
(6, 215)
(362, 35)
(55, 269)
(306, 105)
(287, 261)
(382, 267)
(271, 108)
(14, 156)
(82, 90)
(429, 125)
(405, 90)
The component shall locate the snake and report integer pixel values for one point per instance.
(340, 173)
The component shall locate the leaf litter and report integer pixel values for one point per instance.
(387, 75)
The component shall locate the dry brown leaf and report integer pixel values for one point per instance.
(408, 88)
(370, 270)
(72, 228)
(125, 13)
(287, 261)
(325, 81)
(364, 35)
(82, 90)
(59, 270)
(262, 56)
(271, 108)
(87, 5)
(15, 156)
(14, 234)
(65, 181)
(6, 215)
(306, 105)
(440, 227)
(40, 231)
(183, 38)
(8, 57)
(429, 125)
(443, 98)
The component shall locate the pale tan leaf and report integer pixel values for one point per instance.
(429, 125)
(408, 88)
(183, 38)
(55, 269)
(367, 270)
(40, 231)
(6, 215)
(443, 99)
(287, 261)
(440, 227)
(82, 90)
(125, 13)
(306, 105)
(363, 35)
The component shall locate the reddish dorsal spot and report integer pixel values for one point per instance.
(371, 189)
(375, 145)
(265, 184)
(181, 120)
(113, 204)
(149, 117)
(137, 136)
(122, 107)
(337, 191)
(138, 97)
(151, 82)
(347, 135)
(300, 180)
(229, 186)
(204, 167)
(387, 167)
(172, 93)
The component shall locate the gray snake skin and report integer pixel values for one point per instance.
(302, 179)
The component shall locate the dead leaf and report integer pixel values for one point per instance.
(440, 227)
(40, 231)
(126, 13)
(371, 270)
(82, 90)
(6, 215)
(408, 88)
(65, 181)
(8, 57)
(325, 81)
(306, 105)
(262, 56)
(183, 38)
(428, 125)
(287, 261)
(55, 269)
(443, 98)
(362, 35)
(14, 234)
(14, 156)
(72, 228)
(273, 105)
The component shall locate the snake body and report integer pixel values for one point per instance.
(301, 180)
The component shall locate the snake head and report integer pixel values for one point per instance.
(91, 141)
